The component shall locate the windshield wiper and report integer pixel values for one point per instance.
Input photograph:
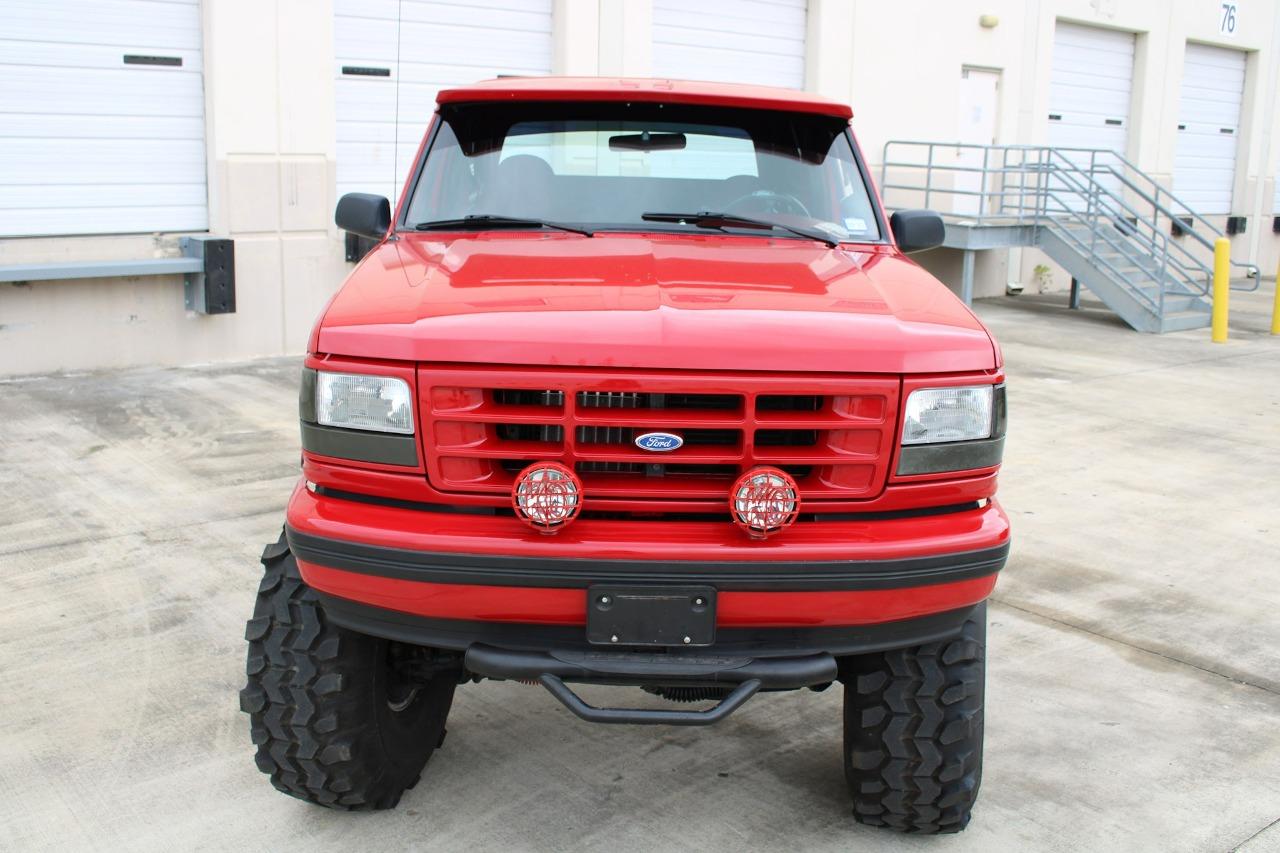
(477, 221)
(711, 219)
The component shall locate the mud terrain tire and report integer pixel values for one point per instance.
(913, 732)
(333, 722)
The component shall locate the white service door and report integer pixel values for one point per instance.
(1204, 162)
(101, 117)
(979, 101)
(731, 41)
(424, 47)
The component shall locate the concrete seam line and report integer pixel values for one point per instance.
(1241, 845)
(1159, 367)
(145, 531)
(1248, 682)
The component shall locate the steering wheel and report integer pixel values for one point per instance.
(768, 201)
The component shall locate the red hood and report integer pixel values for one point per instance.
(710, 302)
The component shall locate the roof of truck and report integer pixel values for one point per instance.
(639, 89)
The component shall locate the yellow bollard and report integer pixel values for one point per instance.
(1221, 287)
(1275, 309)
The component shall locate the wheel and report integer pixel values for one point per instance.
(340, 719)
(913, 732)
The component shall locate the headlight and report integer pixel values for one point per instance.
(953, 429)
(948, 414)
(353, 401)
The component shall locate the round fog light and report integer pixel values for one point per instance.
(547, 496)
(764, 501)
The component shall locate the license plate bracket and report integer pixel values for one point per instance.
(632, 615)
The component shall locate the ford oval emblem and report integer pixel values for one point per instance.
(659, 442)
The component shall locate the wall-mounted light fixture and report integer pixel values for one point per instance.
(988, 22)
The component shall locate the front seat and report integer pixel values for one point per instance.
(521, 188)
(734, 188)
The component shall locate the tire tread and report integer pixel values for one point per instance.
(913, 723)
(314, 737)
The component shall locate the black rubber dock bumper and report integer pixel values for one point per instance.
(745, 675)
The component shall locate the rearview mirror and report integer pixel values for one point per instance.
(364, 214)
(917, 230)
(646, 141)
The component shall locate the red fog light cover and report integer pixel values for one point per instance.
(547, 496)
(764, 501)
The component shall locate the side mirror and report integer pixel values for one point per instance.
(917, 230)
(364, 214)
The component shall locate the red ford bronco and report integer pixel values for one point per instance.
(637, 388)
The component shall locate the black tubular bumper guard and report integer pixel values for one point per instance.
(648, 716)
(746, 676)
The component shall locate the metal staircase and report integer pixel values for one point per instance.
(1130, 241)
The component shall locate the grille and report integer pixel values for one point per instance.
(482, 426)
(636, 400)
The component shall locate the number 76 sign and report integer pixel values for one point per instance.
(1227, 18)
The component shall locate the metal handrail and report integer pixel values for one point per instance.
(1158, 207)
(1103, 213)
(1088, 186)
(1041, 165)
(1040, 159)
(1064, 209)
(1091, 253)
(1213, 229)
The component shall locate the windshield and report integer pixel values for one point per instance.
(619, 166)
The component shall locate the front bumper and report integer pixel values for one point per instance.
(756, 642)
(460, 577)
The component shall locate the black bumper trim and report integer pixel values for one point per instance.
(810, 513)
(952, 456)
(770, 575)
(384, 447)
(460, 634)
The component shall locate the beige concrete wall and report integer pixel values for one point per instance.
(269, 81)
(577, 37)
(1265, 167)
(990, 269)
(626, 38)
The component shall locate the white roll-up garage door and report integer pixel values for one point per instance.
(101, 117)
(1204, 164)
(1090, 87)
(439, 44)
(735, 41)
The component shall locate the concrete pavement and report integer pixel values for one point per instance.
(1133, 691)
